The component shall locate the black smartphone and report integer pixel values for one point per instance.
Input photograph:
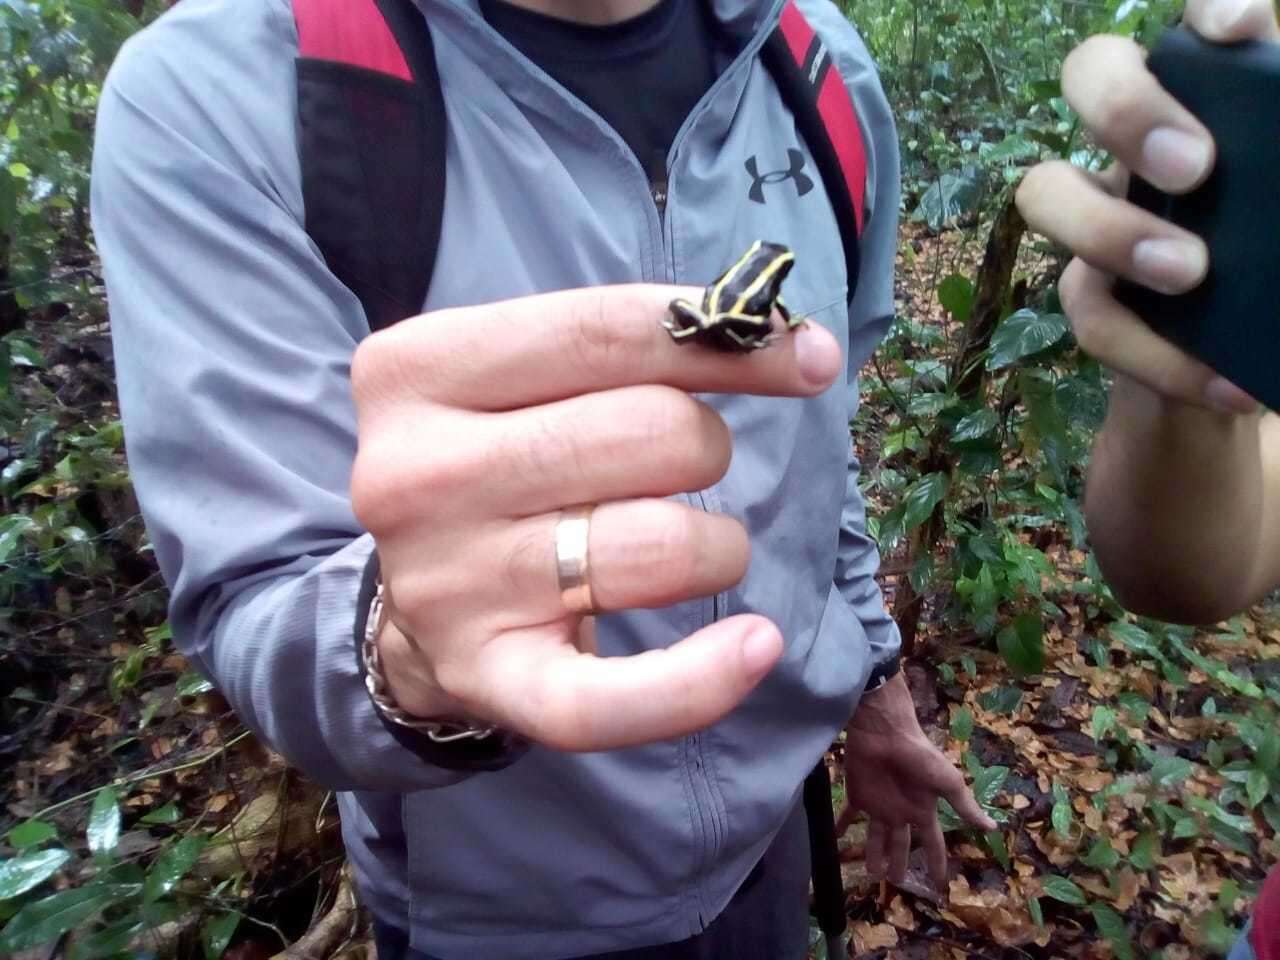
(1232, 320)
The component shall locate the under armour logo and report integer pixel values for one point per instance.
(758, 180)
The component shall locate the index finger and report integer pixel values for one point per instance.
(533, 350)
(1107, 82)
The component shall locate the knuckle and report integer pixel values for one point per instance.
(531, 550)
(456, 680)
(1033, 189)
(387, 481)
(371, 495)
(683, 437)
(388, 363)
(548, 451)
(595, 337)
(1120, 109)
(676, 543)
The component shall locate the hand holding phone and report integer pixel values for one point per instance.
(1231, 321)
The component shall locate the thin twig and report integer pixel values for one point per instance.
(139, 777)
(132, 594)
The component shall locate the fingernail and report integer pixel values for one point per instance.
(1225, 397)
(1174, 159)
(760, 651)
(817, 355)
(1169, 265)
(1226, 15)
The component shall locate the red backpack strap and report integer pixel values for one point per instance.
(371, 144)
(826, 117)
(353, 32)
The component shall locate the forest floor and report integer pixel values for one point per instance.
(95, 695)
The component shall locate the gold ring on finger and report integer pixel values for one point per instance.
(573, 568)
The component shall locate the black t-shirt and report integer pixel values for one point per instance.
(643, 76)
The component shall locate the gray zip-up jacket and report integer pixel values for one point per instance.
(233, 345)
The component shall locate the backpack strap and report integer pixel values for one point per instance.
(371, 143)
(825, 115)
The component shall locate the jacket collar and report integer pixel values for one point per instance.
(742, 19)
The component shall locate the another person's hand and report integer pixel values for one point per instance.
(895, 775)
(477, 427)
(1106, 81)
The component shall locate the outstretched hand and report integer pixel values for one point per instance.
(895, 775)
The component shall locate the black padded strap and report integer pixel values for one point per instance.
(372, 151)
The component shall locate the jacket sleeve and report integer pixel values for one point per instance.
(233, 344)
(871, 312)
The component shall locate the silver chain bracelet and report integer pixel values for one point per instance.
(439, 730)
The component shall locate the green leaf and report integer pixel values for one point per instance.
(1257, 787)
(1037, 914)
(107, 942)
(171, 867)
(169, 813)
(29, 870)
(31, 832)
(1135, 638)
(12, 529)
(1228, 894)
(1102, 856)
(955, 293)
(19, 171)
(1062, 814)
(15, 470)
(921, 497)
(962, 724)
(1104, 721)
(1135, 704)
(949, 197)
(1215, 811)
(1186, 829)
(1022, 645)
(191, 684)
(104, 823)
(23, 353)
(1146, 850)
(987, 783)
(1167, 770)
(975, 426)
(1111, 926)
(996, 844)
(930, 404)
(1063, 890)
(217, 934)
(948, 819)
(45, 920)
(1022, 334)
(1001, 700)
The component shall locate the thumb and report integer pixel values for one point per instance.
(566, 699)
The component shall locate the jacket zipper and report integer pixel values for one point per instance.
(658, 191)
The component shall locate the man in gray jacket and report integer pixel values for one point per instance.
(587, 726)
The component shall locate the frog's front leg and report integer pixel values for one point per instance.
(685, 320)
(790, 320)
